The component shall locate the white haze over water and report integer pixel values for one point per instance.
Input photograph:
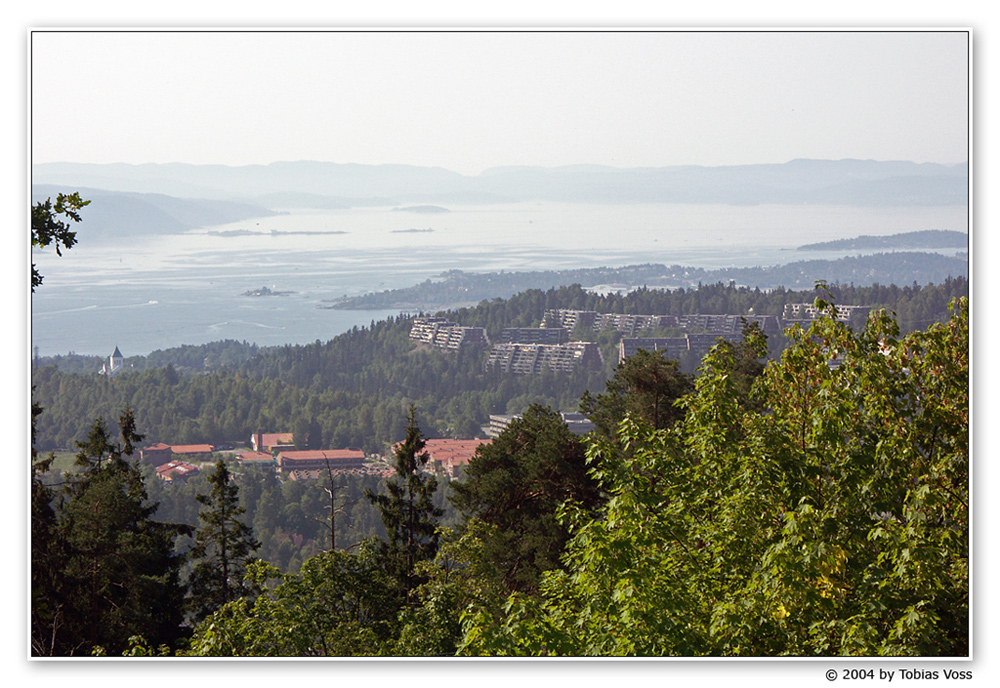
(143, 294)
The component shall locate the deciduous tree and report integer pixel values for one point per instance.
(48, 229)
(832, 519)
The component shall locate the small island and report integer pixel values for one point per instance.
(421, 209)
(411, 231)
(264, 291)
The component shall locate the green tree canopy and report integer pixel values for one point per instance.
(831, 520)
(516, 484)
(102, 569)
(645, 385)
(222, 548)
(340, 604)
(408, 511)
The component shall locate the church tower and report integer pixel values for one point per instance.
(114, 364)
(117, 360)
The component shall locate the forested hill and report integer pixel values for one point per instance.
(115, 214)
(929, 238)
(537, 499)
(353, 387)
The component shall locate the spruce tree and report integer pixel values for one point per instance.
(102, 569)
(408, 510)
(222, 549)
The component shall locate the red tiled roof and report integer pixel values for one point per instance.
(271, 439)
(178, 468)
(255, 456)
(159, 446)
(318, 454)
(192, 449)
(451, 452)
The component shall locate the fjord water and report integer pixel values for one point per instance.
(148, 293)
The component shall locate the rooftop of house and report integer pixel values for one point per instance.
(318, 454)
(178, 468)
(192, 448)
(252, 456)
(452, 452)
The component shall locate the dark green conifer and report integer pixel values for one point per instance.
(102, 569)
(223, 546)
(408, 510)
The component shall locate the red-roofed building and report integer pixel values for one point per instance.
(178, 471)
(448, 454)
(157, 454)
(336, 459)
(160, 453)
(188, 449)
(253, 458)
(272, 441)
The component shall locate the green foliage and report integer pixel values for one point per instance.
(832, 519)
(222, 548)
(341, 604)
(646, 385)
(515, 485)
(408, 511)
(47, 229)
(102, 569)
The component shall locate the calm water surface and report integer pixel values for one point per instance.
(155, 293)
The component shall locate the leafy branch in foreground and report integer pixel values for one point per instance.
(47, 229)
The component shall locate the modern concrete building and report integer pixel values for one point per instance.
(577, 423)
(804, 313)
(533, 359)
(447, 335)
(695, 344)
(673, 346)
(533, 335)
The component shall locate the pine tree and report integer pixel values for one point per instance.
(223, 545)
(102, 569)
(645, 385)
(408, 510)
(516, 486)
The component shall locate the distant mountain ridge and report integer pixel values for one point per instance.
(115, 214)
(325, 184)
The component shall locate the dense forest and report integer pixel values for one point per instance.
(351, 388)
(806, 495)
(816, 505)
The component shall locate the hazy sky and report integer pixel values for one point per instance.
(468, 101)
